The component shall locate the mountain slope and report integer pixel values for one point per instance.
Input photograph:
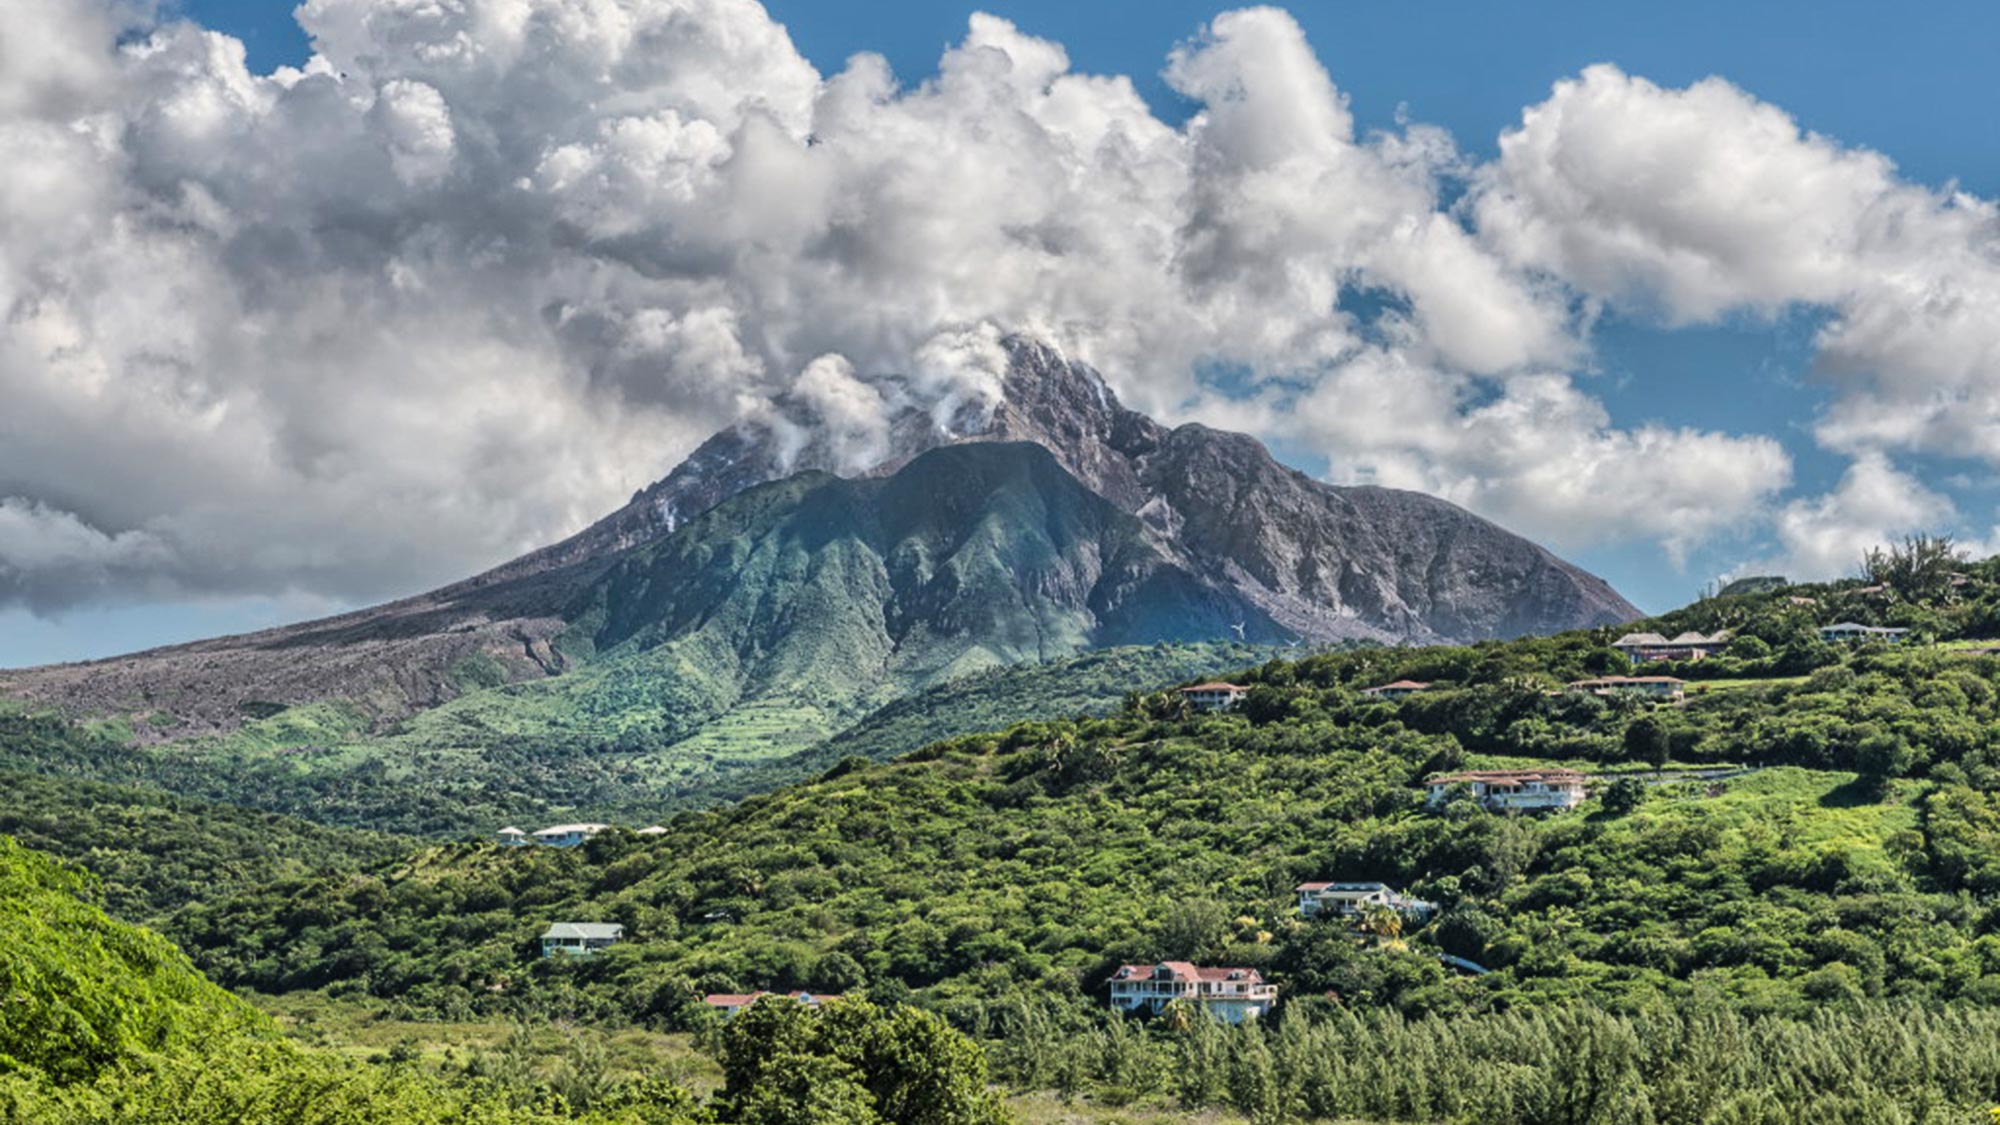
(1215, 519)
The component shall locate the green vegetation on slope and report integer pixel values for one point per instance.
(152, 853)
(105, 1022)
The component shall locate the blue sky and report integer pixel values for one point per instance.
(1864, 74)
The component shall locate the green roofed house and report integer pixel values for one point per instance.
(580, 939)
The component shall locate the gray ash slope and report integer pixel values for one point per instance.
(1301, 558)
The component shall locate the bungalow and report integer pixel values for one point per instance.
(1656, 687)
(511, 838)
(1396, 690)
(1848, 631)
(730, 1003)
(1214, 696)
(568, 835)
(1642, 647)
(580, 939)
(1229, 994)
(1347, 900)
(1523, 790)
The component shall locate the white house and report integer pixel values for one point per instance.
(1652, 687)
(580, 939)
(1642, 647)
(1848, 631)
(568, 835)
(512, 838)
(730, 1003)
(1229, 994)
(1396, 690)
(1214, 696)
(1521, 790)
(652, 830)
(1346, 900)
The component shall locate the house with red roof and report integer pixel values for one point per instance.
(1232, 995)
(730, 1003)
(1396, 690)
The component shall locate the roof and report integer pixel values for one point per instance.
(1216, 685)
(571, 829)
(510, 832)
(743, 999)
(1399, 685)
(1851, 625)
(1184, 970)
(588, 931)
(1508, 776)
(1617, 681)
(1355, 888)
(1632, 640)
(652, 830)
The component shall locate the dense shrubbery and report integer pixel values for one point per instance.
(152, 852)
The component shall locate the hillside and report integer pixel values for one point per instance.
(1820, 890)
(151, 852)
(107, 1024)
(1055, 849)
(1215, 524)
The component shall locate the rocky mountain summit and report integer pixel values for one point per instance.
(1213, 515)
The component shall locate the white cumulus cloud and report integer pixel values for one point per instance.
(479, 269)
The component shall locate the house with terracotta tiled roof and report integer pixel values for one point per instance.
(1396, 690)
(730, 1003)
(1519, 790)
(1216, 696)
(1232, 995)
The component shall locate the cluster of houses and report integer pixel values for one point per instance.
(561, 835)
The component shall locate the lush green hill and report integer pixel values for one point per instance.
(104, 1022)
(1828, 892)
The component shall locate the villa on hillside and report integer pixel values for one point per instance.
(1396, 690)
(511, 837)
(1348, 900)
(580, 939)
(730, 1003)
(1229, 994)
(1848, 632)
(1214, 696)
(1514, 790)
(568, 835)
(1653, 687)
(1641, 648)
